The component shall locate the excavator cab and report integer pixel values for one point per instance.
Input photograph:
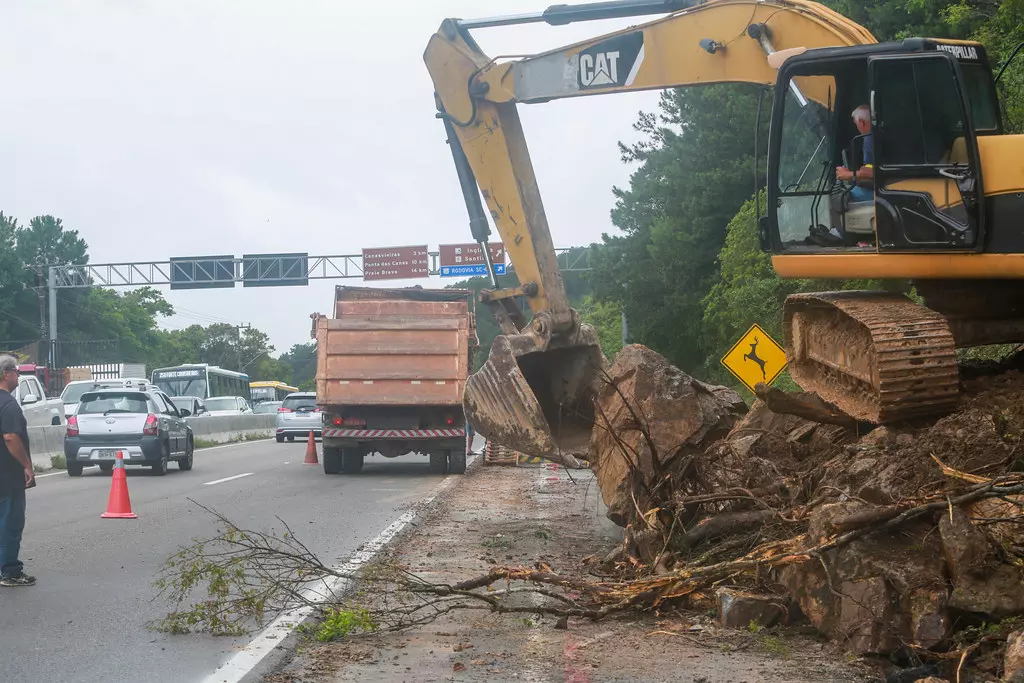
(927, 107)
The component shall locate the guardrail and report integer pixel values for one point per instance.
(47, 441)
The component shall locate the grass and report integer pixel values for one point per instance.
(200, 442)
(58, 462)
(340, 623)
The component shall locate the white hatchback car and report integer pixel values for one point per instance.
(298, 416)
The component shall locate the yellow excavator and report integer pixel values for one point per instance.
(885, 161)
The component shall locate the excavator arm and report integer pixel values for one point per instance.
(535, 392)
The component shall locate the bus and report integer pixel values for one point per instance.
(201, 380)
(270, 390)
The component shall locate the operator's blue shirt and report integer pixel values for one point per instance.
(859, 193)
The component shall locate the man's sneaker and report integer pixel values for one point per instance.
(21, 579)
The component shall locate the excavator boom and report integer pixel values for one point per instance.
(535, 392)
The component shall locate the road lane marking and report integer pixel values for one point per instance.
(221, 481)
(51, 474)
(229, 445)
(249, 657)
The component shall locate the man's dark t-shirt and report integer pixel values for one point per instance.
(12, 421)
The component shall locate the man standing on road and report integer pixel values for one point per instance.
(16, 475)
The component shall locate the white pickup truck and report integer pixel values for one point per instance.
(39, 410)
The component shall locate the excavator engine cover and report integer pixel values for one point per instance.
(535, 394)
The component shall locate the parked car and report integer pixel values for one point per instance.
(73, 390)
(264, 407)
(228, 405)
(298, 415)
(193, 404)
(141, 423)
(39, 410)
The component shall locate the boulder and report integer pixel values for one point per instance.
(1013, 660)
(680, 415)
(982, 582)
(880, 591)
(738, 609)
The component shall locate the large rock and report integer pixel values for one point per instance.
(680, 414)
(879, 592)
(982, 582)
(740, 609)
(1013, 661)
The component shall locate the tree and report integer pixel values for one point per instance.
(301, 358)
(696, 170)
(606, 317)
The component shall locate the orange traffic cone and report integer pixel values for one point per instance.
(119, 506)
(311, 451)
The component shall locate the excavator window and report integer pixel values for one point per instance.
(926, 154)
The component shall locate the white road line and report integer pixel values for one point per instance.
(229, 445)
(51, 474)
(220, 481)
(249, 657)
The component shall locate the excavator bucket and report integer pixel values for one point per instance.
(537, 398)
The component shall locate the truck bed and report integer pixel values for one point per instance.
(392, 347)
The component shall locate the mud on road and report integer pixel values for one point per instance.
(545, 513)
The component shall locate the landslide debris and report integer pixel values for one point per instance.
(905, 540)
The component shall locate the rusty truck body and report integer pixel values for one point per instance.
(391, 369)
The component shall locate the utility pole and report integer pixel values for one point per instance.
(240, 327)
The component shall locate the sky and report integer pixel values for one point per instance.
(190, 128)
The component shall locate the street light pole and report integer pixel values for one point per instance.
(240, 327)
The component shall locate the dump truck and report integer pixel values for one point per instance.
(391, 370)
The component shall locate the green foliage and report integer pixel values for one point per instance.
(340, 623)
(606, 317)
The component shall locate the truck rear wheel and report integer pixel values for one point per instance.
(438, 462)
(332, 460)
(351, 461)
(457, 462)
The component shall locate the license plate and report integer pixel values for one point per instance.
(106, 453)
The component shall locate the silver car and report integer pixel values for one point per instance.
(298, 416)
(143, 424)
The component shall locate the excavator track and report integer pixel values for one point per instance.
(878, 356)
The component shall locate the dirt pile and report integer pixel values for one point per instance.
(885, 539)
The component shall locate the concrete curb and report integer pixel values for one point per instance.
(48, 441)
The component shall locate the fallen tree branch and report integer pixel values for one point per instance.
(780, 402)
(722, 525)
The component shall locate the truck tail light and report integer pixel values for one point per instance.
(450, 421)
(73, 426)
(152, 426)
(337, 421)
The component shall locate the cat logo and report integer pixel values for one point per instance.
(599, 69)
(610, 63)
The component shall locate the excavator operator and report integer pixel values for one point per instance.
(860, 192)
(861, 119)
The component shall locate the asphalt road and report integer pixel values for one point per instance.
(85, 619)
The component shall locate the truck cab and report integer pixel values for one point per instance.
(39, 410)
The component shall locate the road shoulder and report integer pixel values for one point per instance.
(519, 517)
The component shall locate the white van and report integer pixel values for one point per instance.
(73, 390)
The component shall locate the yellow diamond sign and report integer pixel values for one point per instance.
(756, 357)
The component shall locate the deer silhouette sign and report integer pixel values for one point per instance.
(753, 356)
